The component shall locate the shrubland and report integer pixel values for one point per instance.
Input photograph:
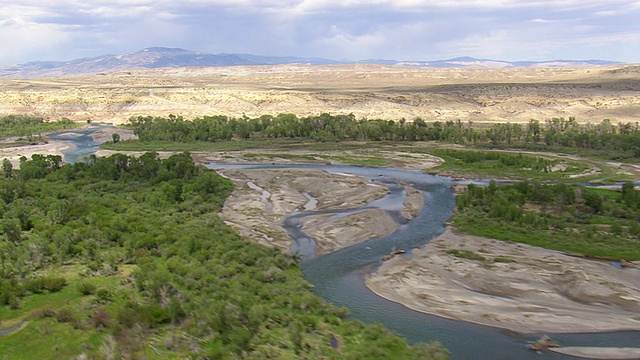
(124, 257)
(30, 128)
(575, 219)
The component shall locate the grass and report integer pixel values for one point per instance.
(503, 259)
(603, 155)
(327, 159)
(470, 255)
(466, 254)
(368, 153)
(573, 239)
(45, 337)
(16, 143)
(486, 165)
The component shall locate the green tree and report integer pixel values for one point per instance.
(12, 229)
(7, 168)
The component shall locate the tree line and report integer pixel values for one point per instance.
(556, 132)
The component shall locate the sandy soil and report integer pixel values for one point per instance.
(54, 147)
(14, 153)
(540, 291)
(367, 91)
(413, 202)
(398, 159)
(107, 134)
(262, 199)
(600, 352)
(333, 234)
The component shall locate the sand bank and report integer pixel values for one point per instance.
(51, 147)
(600, 352)
(264, 198)
(534, 290)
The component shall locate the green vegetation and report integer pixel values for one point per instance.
(397, 141)
(466, 254)
(503, 259)
(618, 142)
(124, 257)
(507, 165)
(31, 128)
(570, 218)
(350, 160)
(470, 255)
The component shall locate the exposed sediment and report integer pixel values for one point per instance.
(246, 210)
(527, 290)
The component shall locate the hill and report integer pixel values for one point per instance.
(160, 57)
(590, 94)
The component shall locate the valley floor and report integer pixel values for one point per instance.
(517, 287)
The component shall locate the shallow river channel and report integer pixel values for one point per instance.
(339, 277)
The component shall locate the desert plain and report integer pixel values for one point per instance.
(590, 94)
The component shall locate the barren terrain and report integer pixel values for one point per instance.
(529, 290)
(367, 91)
(264, 198)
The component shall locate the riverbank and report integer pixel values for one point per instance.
(50, 147)
(262, 199)
(517, 287)
(58, 147)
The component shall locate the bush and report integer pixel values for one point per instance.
(103, 295)
(42, 313)
(35, 286)
(64, 315)
(100, 319)
(49, 283)
(86, 288)
(155, 315)
(10, 289)
(54, 283)
(127, 316)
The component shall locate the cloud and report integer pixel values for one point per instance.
(356, 29)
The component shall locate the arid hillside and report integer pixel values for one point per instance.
(368, 91)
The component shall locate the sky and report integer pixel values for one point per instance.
(33, 30)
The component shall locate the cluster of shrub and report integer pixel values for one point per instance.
(27, 126)
(556, 132)
(565, 217)
(195, 280)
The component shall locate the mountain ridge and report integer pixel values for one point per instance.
(164, 57)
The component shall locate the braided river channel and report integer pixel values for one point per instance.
(338, 277)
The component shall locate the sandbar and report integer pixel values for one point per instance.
(533, 291)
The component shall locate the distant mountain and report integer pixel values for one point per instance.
(159, 57)
(469, 62)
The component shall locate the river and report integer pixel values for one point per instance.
(339, 277)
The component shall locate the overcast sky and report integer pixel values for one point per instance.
(339, 29)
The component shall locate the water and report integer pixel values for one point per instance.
(82, 141)
(338, 277)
